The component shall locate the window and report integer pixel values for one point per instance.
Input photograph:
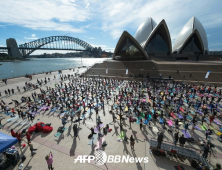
(158, 43)
(192, 45)
(128, 50)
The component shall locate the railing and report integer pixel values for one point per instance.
(183, 151)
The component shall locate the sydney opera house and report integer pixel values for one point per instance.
(152, 39)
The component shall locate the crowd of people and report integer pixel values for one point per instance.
(173, 105)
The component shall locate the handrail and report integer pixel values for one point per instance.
(182, 147)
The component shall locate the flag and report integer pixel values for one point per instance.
(208, 73)
(126, 71)
(106, 70)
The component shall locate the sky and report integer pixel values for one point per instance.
(101, 22)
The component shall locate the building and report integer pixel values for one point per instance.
(152, 39)
(192, 38)
(128, 48)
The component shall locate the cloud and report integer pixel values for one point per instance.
(117, 16)
(92, 38)
(87, 6)
(31, 38)
(33, 35)
(44, 15)
(110, 18)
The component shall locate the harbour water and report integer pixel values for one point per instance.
(38, 65)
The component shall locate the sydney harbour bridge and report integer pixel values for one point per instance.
(50, 43)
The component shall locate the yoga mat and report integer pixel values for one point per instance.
(161, 120)
(155, 129)
(12, 118)
(189, 117)
(219, 139)
(181, 109)
(25, 121)
(216, 131)
(96, 130)
(122, 135)
(142, 115)
(32, 123)
(19, 122)
(150, 117)
(145, 121)
(99, 143)
(197, 127)
(9, 113)
(62, 114)
(170, 123)
(172, 115)
(185, 104)
(186, 134)
(179, 116)
(138, 121)
(93, 139)
(179, 168)
(201, 113)
(59, 133)
(53, 110)
(217, 122)
(196, 106)
(204, 127)
(207, 120)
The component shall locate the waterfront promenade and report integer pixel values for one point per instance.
(66, 148)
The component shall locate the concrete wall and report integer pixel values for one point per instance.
(167, 68)
(171, 57)
(13, 48)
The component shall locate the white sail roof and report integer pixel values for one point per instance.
(192, 25)
(144, 30)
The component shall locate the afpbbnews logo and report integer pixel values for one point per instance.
(101, 158)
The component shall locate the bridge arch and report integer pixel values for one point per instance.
(30, 47)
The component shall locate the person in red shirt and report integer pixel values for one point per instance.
(13, 111)
(28, 136)
(18, 136)
(12, 133)
(29, 105)
(212, 118)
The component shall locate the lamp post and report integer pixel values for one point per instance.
(12, 74)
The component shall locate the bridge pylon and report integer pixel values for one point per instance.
(13, 49)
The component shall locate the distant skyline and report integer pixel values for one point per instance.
(101, 23)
